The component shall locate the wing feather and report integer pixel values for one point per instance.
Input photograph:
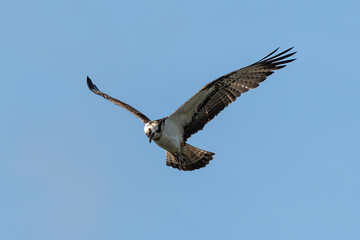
(127, 107)
(218, 94)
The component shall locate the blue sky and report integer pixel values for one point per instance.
(75, 166)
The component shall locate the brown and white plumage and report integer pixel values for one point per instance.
(218, 94)
(172, 132)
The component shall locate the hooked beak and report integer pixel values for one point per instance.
(150, 137)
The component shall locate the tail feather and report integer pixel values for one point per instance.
(191, 158)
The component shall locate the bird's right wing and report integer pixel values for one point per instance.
(127, 107)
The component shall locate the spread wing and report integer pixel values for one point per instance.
(216, 95)
(127, 107)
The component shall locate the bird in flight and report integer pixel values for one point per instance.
(172, 132)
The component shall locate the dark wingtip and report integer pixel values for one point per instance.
(90, 84)
(269, 54)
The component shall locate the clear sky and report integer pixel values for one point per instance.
(76, 167)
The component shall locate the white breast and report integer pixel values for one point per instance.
(171, 137)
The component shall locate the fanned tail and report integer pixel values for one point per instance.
(191, 158)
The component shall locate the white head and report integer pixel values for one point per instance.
(152, 130)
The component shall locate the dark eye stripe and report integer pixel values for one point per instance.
(160, 126)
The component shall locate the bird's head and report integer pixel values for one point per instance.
(152, 130)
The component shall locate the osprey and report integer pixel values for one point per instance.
(172, 132)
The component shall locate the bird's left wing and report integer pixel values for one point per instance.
(216, 95)
(127, 107)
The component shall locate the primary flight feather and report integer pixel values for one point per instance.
(172, 132)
